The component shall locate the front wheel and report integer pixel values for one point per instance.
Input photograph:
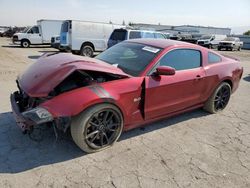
(97, 128)
(25, 43)
(219, 99)
(87, 51)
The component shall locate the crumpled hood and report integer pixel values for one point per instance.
(44, 75)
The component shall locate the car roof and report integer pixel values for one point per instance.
(161, 43)
(146, 31)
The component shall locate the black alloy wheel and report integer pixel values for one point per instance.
(222, 97)
(102, 128)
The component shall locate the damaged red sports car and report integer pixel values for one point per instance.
(133, 83)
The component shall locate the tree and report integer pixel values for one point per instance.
(247, 33)
(130, 23)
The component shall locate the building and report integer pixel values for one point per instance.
(184, 29)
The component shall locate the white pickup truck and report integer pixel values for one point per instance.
(38, 34)
(230, 43)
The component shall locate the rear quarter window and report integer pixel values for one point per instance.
(213, 58)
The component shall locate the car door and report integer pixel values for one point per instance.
(168, 94)
(34, 35)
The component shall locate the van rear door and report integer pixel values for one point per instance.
(65, 35)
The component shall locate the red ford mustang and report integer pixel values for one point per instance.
(133, 83)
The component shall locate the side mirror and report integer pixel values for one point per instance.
(164, 70)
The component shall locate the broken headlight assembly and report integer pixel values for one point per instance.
(38, 115)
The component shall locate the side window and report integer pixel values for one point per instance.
(134, 35)
(148, 35)
(213, 58)
(34, 30)
(159, 36)
(182, 59)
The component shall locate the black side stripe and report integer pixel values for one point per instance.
(100, 91)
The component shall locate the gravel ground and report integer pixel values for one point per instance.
(194, 149)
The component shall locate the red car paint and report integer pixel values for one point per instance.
(41, 77)
(163, 96)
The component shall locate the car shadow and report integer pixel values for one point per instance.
(47, 51)
(19, 153)
(247, 78)
(34, 56)
(18, 46)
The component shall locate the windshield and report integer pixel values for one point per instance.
(131, 58)
(229, 39)
(25, 30)
(206, 37)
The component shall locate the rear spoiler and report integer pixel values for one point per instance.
(230, 57)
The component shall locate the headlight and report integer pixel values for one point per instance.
(38, 115)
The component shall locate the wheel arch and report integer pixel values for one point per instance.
(88, 43)
(227, 80)
(25, 39)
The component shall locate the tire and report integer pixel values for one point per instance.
(92, 133)
(219, 49)
(210, 46)
(239, 49)
(87, 50)
(219, 99)
(25, 43)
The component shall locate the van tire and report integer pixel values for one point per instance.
(25, 43)
(87, 50)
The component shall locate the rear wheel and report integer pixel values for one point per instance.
(239, 49)
(219, 99)
(97, 128)
(25, 43)
(87, 50)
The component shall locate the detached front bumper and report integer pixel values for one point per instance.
(24, 123)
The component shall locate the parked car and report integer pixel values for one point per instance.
(120, 35)
(39, 34)
(2, 30)
(210, 41)
(9, 32)
(130, 84)
(85, 38)
(187, 38)
(230, 43)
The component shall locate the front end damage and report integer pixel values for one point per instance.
(31, 117)
(52, 76)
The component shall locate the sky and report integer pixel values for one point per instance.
(218, 13)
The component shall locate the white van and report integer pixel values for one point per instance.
(85, 38)
(38, 34)
(120, 35)
(210, 41)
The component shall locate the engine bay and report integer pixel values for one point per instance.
(80, 78)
